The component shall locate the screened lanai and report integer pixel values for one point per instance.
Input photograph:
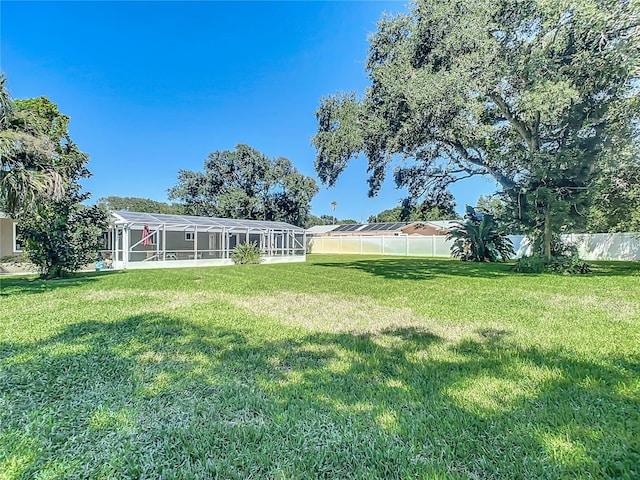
(142, 240)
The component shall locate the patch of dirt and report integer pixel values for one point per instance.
(333, 314)
(98, 295)
(618, 309)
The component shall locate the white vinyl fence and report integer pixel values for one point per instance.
(598, 246)
(606, 246)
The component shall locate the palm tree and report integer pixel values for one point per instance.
(26, 170)
(334, 204)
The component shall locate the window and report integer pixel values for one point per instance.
(189, 236)
(17, 244)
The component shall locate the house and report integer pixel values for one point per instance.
(146, 240)
(9, 244)
(320, 230)
(426, 228)
(433, 227)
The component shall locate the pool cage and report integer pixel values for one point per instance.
(146, 240)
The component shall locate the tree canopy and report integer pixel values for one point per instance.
(409, 212)
(60, 233)
(530, 93)
(137, 204)
(245, 183)
(616, 203)
(37, 154)
(312, 220)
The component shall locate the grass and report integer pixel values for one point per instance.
(343, 367)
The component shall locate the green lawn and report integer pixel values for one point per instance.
(343, 367)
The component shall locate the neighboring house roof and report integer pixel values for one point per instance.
(367, 228)
(381, 227)
(442, 224)
(347, 228)
(319, 229)
(138, 219)
(385, 228)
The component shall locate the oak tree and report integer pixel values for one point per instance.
(524, 92)
(244, 183)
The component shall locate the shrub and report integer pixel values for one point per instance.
(63, 236)
(532, 264)
(568, 264)
(478, 239)
(246, 253)
(559, 248)
(571, 264)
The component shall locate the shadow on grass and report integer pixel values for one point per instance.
(427, 268)
(12, 285)
(619, 268)
(420, 269)
(154, 395)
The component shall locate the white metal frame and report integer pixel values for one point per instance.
(277, 240)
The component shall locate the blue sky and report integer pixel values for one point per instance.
(153, 87)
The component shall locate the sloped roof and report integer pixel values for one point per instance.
(442, 224)
(139, 219)
(321, 228)
(373, 228)
(383, 227)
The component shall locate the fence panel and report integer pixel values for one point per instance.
(441, 247)
(521, 245)
(350, 244)
(607, 246)
(371, 245)
(420, 246)
(331, 245)
(598, 246)
(394, 245)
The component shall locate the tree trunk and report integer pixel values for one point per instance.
(547, 232)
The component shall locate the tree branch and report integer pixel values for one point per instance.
(519, 125)
(502, 179)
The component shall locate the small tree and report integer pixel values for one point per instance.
(63, 236)
(60, 235)
(478, 239)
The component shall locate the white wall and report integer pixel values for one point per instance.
(598, 246)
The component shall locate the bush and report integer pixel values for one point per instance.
(64, 236)
(571, 264)
(532, 264)
(568, 264)
(564, 259)
(478, 239)
(246, 253)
